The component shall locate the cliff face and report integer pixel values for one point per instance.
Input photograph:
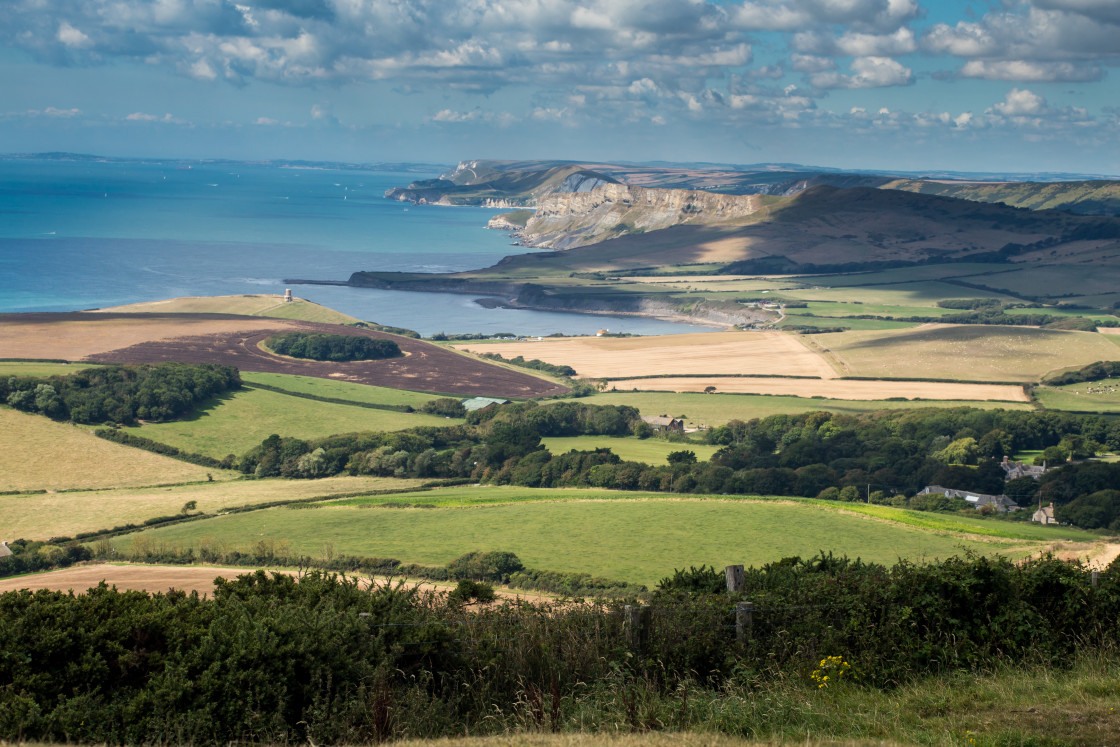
(571, 219)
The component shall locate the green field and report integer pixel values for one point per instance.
(903, 294)
(344, 390)
(241, 420)
(1086, 396)
(842, 321)
(717, 409)
(630, 536)
(44, 515)
(37, 453)
(650, 450)
(14, 368)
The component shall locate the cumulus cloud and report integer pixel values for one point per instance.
(868, 72)
(1020, 102)
(1039, 41)
(855, 44)
(144, 117)
(1031, 71)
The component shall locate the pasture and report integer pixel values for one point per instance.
(649, 450)
(634, 537)
(335, 389)
(964, 352)
(834, 388)
(40, 516)
(242, 419)
(717, 409)
(696, 353)
(40, 368)
(268, 305)
(795, 320)
(37, 453)
(1086, 396)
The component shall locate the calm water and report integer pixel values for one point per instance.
(79, 235)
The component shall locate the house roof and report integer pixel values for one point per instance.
(479, 403)
(5, 551)
(660, 420)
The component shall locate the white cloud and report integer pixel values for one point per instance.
(72, 37)
(805, 63)
(1020, 102)
(143, 117)
(1028, 71)
(869, 72)
(857, 44)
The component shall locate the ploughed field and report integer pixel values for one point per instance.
(235, 341)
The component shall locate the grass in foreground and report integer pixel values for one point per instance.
(241, 420)
(1022, 705)
(41, 516)
(37, 453)
(641, 539)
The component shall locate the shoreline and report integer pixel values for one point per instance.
(504, 295)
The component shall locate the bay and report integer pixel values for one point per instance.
(91, 234)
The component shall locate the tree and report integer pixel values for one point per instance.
(681, 457)
(709, 389)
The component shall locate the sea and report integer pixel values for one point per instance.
(84, 234)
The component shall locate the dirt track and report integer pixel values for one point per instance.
(233, 341)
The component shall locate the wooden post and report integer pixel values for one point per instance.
(744, 621)
(736, 578)
(1095, 578)
(636, 620)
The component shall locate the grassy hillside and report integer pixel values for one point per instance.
(636, 540)
(972, 352)
(42, 516)
(241, 420)
(40, 454)
(1084, 197)
(247, 305)
(650, 450)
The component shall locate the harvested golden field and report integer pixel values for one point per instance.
(40, 454)
(43, 515)
(696, 353)
(76, 336)
(973, 352)
(831, 388)
(267, 305)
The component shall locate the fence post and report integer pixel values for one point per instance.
(636, 620)
(744, 621)
(1095, 578)
(736, 578)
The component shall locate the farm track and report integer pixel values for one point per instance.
(186, 338)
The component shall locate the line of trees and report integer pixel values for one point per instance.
(338, 348)
(121, 394)
(1093, 372)
(820, 454)
(535, 364)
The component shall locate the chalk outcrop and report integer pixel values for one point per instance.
(564, 220)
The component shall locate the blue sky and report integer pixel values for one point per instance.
(976, 85)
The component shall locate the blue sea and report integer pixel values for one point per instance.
(92, 234)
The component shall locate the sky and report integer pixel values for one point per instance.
(914, 85)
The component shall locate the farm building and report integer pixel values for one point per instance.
(1000, 503)
(475, 404)
(1044, 515)
(664, 423)
(5, 551)
(1021, 469)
